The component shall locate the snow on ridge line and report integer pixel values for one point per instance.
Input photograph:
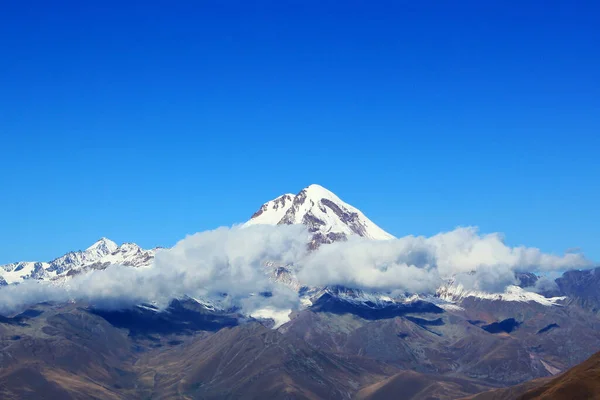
(103, 243)
(103, 252)
(318, 204)
(272, 211)
(456, 293)
(318, 193)
(279, 317)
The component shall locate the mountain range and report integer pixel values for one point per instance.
(342, 342)
(99, 255)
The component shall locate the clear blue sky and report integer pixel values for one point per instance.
(148, 121)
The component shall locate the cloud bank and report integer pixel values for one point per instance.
(203, 265)
(420, 264)
(232, 261)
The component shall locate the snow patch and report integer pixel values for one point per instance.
(456, 293)
(279, 316)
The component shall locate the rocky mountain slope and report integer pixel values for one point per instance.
(73, 352)
(411, 385)
(579, 382)
(326, 351)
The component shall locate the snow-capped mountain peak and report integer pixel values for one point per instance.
(327, 217)
(75, 259)
(102, 247)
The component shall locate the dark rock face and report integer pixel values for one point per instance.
(582, 288)
(313, 223)
(425, 322)
(548, 328)
(279, 202)
(476, 322)
(319, 238)
(61, 265)
(182, 317)
(349, 218)
(507, 326)
(332, 304)
(526, 279)
(21, 319)
(290, 215)
(260, 211)
(38, 271)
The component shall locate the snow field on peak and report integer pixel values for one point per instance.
(318, 206)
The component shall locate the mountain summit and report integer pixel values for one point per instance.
(102, 247)
(327, 217)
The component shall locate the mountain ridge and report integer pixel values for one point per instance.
(99, 255)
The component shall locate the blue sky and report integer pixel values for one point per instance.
(152, 120)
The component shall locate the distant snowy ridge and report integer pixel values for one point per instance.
(456, 293)
(448, 296)
(99, 255)
(326, 216)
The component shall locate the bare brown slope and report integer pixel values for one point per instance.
(253, 362)
(579, 382)
(411, 385)
(510, 393)
(68, 352)
(63, 354)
